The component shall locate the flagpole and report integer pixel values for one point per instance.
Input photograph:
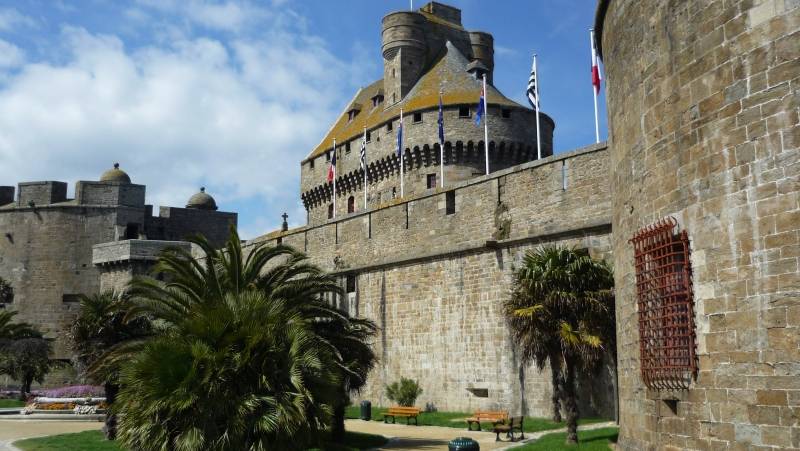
(365, 167)
(594, 89)
(538, 128)
(486, 124)
(334, 177)
(402, 154)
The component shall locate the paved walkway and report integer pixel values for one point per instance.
(13, 430)
(425, 438)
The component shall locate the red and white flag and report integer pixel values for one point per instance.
(332, 168)
(596, 77)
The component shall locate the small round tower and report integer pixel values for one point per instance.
(483, 50)
(116, 175)
(202, 201)
(404, 51)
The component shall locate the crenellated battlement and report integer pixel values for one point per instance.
(565, 193)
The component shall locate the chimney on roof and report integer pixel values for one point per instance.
(442, 11)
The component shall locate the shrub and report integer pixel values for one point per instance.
(404, 393)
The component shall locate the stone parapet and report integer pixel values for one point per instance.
(132, 250)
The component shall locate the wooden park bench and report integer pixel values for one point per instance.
(408, 412)
(493, 417)
(509, 427)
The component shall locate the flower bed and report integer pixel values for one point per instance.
(78, 399)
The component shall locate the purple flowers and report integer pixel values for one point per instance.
(74, 391)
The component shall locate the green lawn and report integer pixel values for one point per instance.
(456, 420)
(81, 441)
(94, 441)
(595, 440)
(11, 403)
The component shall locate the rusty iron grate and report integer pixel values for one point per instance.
(665, 305)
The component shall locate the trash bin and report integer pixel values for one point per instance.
(366, 410)
(463, 444)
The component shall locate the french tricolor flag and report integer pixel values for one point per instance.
(596, 77)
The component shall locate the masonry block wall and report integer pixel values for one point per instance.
(46, 255)
(435, 282)
(703, 100)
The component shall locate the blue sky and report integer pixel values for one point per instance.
(232, 94)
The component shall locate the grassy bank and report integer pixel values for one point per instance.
(594, 440)
(11, 403)
(456, 420)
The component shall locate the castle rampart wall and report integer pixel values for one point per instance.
(435, 282)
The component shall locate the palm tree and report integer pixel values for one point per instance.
(561, 311)
(99, 328)
(10, 330)
(245, 353)
(349, 337)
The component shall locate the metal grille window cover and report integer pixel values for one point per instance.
(665, 305)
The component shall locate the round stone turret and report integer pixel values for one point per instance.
(202, 201)
(115, 175)
(404, 51)
(483, 50)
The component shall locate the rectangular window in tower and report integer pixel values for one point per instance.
(417, 118)
(347, 147)
(450, 202)
(369, 136)
(327, 156)
(389, 126)
(311, 164)
(431, 181)
(506, 113)
(463, 111)
(351, 283)
(330, 211)
(69, 298)
(665, 306)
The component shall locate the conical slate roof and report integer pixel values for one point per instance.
(448, 74)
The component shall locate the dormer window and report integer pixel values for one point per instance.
(353, 112)
(377, 99)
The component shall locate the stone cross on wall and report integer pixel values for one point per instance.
(285, 225)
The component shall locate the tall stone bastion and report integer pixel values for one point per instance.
(432, 267)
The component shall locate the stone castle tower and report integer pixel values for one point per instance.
(425, 53)
(53, 248)
(703, 103)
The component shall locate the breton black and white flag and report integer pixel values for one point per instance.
(363, 155)
(533, 90)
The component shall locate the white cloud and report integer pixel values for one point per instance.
(232, 16)
(10, 55)
(236, 117)
(10, 19)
